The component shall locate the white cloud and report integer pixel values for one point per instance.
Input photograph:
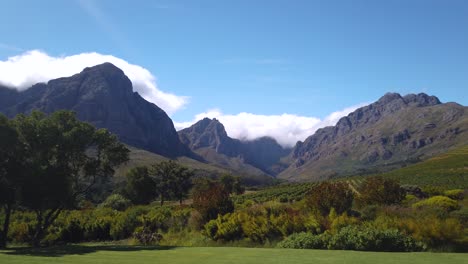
(287, 129)
(35, 66)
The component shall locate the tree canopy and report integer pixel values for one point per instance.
(61, 158)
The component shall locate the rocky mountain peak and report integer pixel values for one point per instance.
(421, 99)
(389, 97)
(103, 96)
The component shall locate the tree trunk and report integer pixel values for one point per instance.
(162, 200)
(36, 239)
(6, 226)
(43, 224)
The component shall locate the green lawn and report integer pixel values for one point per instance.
(215, 255)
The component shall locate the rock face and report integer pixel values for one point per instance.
(388, 134)
(209, 139)
(103, 96)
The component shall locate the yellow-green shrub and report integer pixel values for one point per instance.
(456, 194)
(439, 202)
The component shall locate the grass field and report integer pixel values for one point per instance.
(215, 255)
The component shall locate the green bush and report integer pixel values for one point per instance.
(372, 239)
(456, 194)
(116, 202)
(305, 240)
(438, 202)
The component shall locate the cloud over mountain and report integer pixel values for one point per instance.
(287, 129)
(28, 68)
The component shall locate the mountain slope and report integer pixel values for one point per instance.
(103, 96)
(209, 139)
(448, 170)
(385, 135)
(139, 157)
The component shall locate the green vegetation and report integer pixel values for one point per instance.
(282, 193)
(449, 170)
(77, 254)
(50, 164)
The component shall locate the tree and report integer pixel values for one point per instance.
(232, 184)
(182, 183)
(140, 187)
(64, 158)
(11, 172)
(171, 179)
(328, 195)
(210, 198)
(380, 191)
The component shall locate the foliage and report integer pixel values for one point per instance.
(378, 190)
(210, 199)
(116, 202)
(232, 184)
(328, 195)
(11, 173)
(439, 202)
(372, 239)
(62, 159)
(171, 179)
(283, 193)
(461, 215)
(260, 223)
(456, 194)
(139, 188)
(305, 240)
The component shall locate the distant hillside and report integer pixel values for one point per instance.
(448, 170)
(139, 157)
(393, 132)
(209, 139)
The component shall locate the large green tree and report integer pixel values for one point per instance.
(140, 187)
(65, 159)
(11, 173)
(232, 184)
(171, 180)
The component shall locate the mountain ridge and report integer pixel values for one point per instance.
(103, 96)
(209, 139)
(393, 131)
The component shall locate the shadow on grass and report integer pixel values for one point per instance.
(60, 251)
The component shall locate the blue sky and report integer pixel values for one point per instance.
(265, 57)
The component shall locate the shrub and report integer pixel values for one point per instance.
(457, 194)
(380, 191)
(227, 227)
(125, 223)
(210, 199)
(327, 195)
(116, 202)
(442, 202)
(147, 237)
(372, 239)
(433, 190)
(369, 212)
(461, 215)
(305, 240)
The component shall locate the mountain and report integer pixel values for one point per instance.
(388, 134)
(209, 139)
(103, 96)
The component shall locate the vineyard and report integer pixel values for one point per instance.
(288, 192)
